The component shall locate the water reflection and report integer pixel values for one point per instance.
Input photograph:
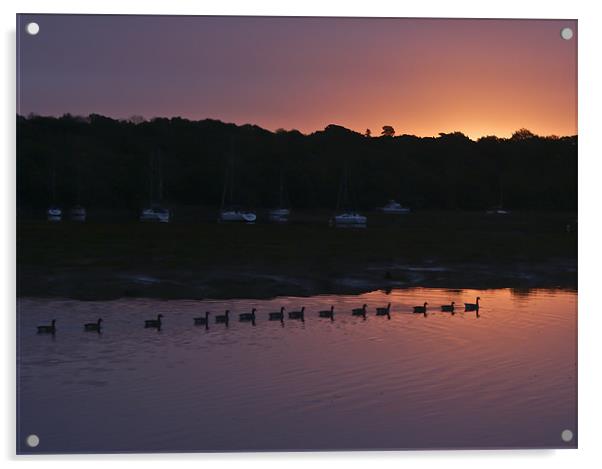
(507, 379)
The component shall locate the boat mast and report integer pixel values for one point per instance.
(78, 185)
(160, 171)
(501, 193)
(281, 195)
(342, 200)
(232, 182)
(226, 178)
(150, 180)
(53, 186)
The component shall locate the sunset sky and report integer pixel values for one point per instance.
(422, 76)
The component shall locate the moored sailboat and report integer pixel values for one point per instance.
(346, 215)
(499, 209)
(54, 212)
(78, 213)
(394, 208)
(228, 211)
(281, 213)
(155, 212)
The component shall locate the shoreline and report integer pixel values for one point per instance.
(454, 250)
(223, 283)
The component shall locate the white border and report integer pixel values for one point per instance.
(590, 155)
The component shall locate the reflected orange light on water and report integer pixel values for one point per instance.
(504, 379)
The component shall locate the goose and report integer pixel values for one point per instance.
(329, 313)
(297, 314)
(246, 317)
(47, 329)
(421, 309)
(93, 326)
(384, 311)
(202, 321)
(223, 318)
(360, 311)
(156, 323)
(278, 316)
(448, 308)
(472, 306)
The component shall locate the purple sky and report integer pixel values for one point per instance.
(421, 76)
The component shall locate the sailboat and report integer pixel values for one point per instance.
(345, 215)
(155, 212)
(78, 212)
(499, 209)
(230, 212)
(280, 214)
(394, 208)
(54, 213)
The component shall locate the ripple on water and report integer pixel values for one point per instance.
(447, 380)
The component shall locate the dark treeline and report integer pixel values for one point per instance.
(102, 162)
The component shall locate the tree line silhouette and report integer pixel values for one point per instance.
(102, 162)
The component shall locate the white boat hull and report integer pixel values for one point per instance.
(236, 215)
(394, 208)
(54, 214)
(396, 211)
(279, 215)
(78, 214)
(350, 219)
(151, 215)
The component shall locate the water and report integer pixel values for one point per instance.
(504, 379)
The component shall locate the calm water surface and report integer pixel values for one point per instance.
(504, 379)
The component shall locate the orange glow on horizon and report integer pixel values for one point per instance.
(421, 76)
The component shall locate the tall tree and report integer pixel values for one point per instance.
(388, 131)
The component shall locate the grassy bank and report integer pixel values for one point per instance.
(97, 260)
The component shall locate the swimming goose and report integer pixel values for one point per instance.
(47, 329)
(202, 321)
(384, 311)
(278, 316)
(472, 306)
(223, 318)
(93, 326)
(156, 323)
(360, 311)
(297, 314)
(421, 309)
(246, 317)
(448, 308)
(329, 313)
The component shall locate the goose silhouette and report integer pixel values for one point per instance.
(51, 329)
(448, 308)
(153, 323)
(384, 311)
(472, 306)
(223, 318)
(329, 313)
(93, 326)
(277, 316)
(297, 314)
(359, 311)
(203, 321)
(247, 317)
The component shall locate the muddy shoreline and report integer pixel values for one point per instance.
(456, 250)
(261, 283)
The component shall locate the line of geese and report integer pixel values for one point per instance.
(274, 316)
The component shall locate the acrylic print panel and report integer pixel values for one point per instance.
(273, 234)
